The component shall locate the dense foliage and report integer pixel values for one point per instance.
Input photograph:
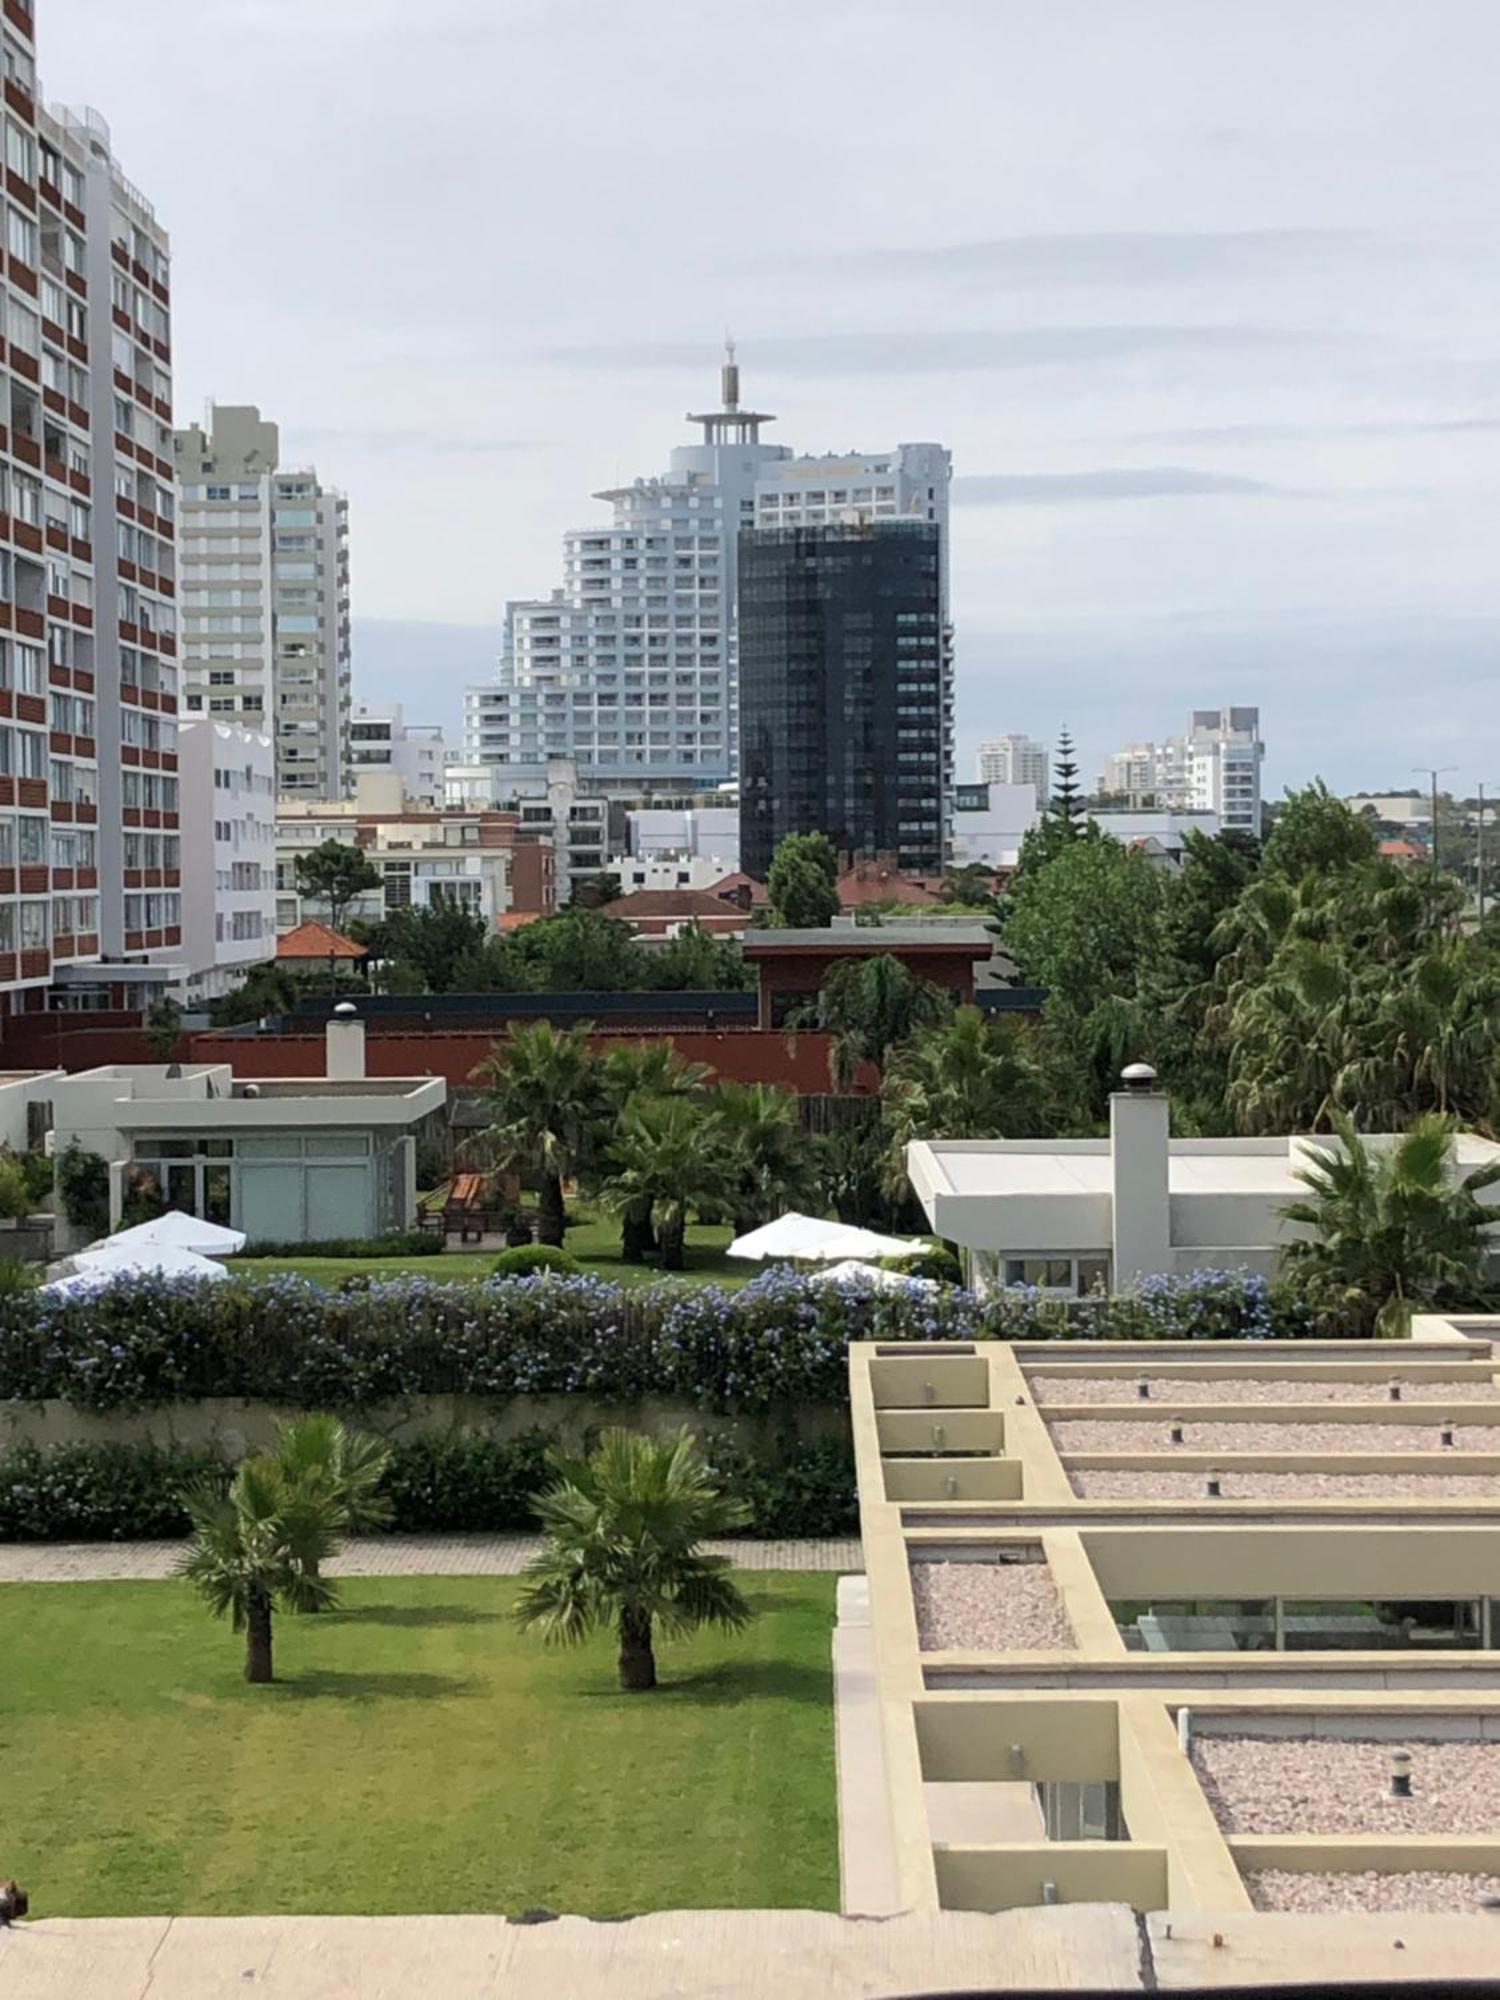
(803, 882)
(439, 1483)
(779, 1342)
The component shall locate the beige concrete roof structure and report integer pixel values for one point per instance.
(1186, 1696)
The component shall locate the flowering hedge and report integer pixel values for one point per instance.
(780, 1341)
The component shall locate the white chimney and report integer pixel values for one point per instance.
(344, 1040)
(1139, 1152)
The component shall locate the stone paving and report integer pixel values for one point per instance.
(382, 1555)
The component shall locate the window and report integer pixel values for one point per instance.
(20, 236)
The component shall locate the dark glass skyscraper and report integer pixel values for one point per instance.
(843, 690)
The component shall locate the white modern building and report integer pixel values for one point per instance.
(286, 1159)
(1074, 1215)
(708, 835)
(381, 739)
(265, 597)
(990, 820)
(629, 669)
(1214, 767)
(1016, 760)
(228, 779)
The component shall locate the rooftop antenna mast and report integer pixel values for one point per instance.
(731, 424)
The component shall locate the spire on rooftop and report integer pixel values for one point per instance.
(731, 424)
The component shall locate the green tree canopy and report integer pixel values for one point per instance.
(869, 1005)
(546, 1101)
(335, 875)
(436, 941)
(803, 882)
(1314, 830)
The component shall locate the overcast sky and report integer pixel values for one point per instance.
(1204, 299)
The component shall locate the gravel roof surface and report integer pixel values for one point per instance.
(1166, 1395)
(1103, 1434)
(1122, 1485)
(1338, 1784)
(973, 1607)
(1419, 1889)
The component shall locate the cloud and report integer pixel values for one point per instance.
(427, 444)
(934, 351)
(1309, 433)
(1108, 483)
(1110, 257)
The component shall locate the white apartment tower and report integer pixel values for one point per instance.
(1214, 767)
(266, 597)
(630, 669)
(228, 776)
(1017, 760)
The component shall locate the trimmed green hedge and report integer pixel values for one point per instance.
(522, 1260)
(436, 1485)
(780, 1342)
(399, 1243)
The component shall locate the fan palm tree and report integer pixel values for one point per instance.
(969, 1078)
(1390, 1231)
(638, 1070)
(319, 1456)
(667, 1157)
(623, 1529)
(546, 1103)
(258, 1546)
(771, 1165)
(869, 1005)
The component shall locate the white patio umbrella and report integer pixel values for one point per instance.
(852, 1272)
(809, 1237)
(93, 1269)
(177, 1231)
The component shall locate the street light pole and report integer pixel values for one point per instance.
(1434, 773)
(1479, 858)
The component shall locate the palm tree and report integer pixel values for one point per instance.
(869, 1005)
(771, 1165)
(667, 1157)
(638, 1070)
(259, 1545)
(319, 1456)
(969, 1078)
(623, 1529)
(1391, 1231)
(546, 1103)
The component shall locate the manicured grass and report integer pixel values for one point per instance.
(593, 1240)
(418, 1753)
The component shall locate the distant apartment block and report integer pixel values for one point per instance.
(228, 778)
(483, 861)
(1016, 760)
(266, 597)
(380, 739)
(1214, 767)
(630, 668)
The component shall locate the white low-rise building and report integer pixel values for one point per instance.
(990, 820)
(1075, 1215)
(286, 1159)
(381, 739)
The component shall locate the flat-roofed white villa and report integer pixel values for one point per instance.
(1075, 1215)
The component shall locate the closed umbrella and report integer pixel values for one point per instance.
(809, 1237)
(177, 1231)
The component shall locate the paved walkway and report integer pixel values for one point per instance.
(380, 1555)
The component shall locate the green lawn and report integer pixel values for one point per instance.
(419, 1753)
(594, 1241)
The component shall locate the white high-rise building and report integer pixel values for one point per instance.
(266, 597)
(228, 778)
(381, 739)
(629, 669)
(1016, 760)
(1214, 767)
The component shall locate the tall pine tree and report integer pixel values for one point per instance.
(1067, 795)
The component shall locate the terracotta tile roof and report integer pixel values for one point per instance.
(315, 940)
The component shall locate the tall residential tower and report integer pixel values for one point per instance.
(266, 597)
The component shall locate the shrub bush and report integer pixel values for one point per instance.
(933, 1260)
(83, 1188)
(780, 1342)
(399, 1243)
(38, 1170)
(523, 1259)
(15, 1195)
(97, 1492)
